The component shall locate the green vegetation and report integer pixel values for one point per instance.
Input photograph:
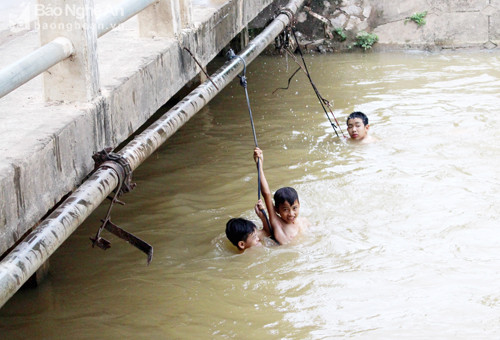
(365, 39)
(339, 32)
(418, 18)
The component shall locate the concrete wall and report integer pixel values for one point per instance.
(46, 147)
(450, 24)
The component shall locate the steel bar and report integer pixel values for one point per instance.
(43, 58)
(121, 13)
(17, 267)
(38, 61)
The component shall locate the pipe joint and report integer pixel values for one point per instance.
(120, 165)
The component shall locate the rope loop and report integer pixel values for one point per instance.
(243, 81)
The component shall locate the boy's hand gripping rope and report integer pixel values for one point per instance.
(243, 82)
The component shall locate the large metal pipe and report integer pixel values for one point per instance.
(38, 61)
(148, 141)
(17, 267)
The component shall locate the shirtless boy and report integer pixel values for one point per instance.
(245, 234)
(284, 214)
(357, 127)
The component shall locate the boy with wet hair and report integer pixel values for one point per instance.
(357, 127)
(286, 194)
(284, 214)
(244, 233)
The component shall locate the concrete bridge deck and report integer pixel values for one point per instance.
(46, 147)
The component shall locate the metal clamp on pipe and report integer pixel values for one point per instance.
(119, 164)
(288, 12)
(123, 170)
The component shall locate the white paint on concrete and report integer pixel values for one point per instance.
(162, 19)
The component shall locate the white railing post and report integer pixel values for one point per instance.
(186, 10)
(76, 78)
(161, 19)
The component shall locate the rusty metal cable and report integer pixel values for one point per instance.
(244, 84)
(201, 67)
(303, 66)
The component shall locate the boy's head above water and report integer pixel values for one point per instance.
(357, 126)
(286, 204)
(242, 233)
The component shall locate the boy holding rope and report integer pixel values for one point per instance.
(284, 214)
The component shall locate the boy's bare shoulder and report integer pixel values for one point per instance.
(369, 139)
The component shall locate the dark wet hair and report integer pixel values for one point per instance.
(238, 229)
(358, 114)
(285, 194)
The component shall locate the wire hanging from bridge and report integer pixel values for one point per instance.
(243, 82)
(283, 43)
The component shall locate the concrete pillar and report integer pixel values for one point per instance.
(76, 78)
(191, 85)
(202, 77)
(161, 19)
(39, 276)
(244, 38)
(186, 10)
(239, 42)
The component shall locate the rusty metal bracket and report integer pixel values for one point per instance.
(106, 158)
(110, 160)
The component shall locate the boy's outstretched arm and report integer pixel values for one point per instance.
(266, 193)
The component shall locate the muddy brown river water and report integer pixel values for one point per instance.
(405, 237)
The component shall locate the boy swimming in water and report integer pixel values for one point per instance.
(357, 127)
(284, 214)
(244, 233)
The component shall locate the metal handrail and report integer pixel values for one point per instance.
(113, 18)
(38, 61)
(52, 53)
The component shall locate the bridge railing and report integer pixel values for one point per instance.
(69, 30)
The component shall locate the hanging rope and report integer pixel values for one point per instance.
(243, 82)
(201, 68)
(284, 45)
